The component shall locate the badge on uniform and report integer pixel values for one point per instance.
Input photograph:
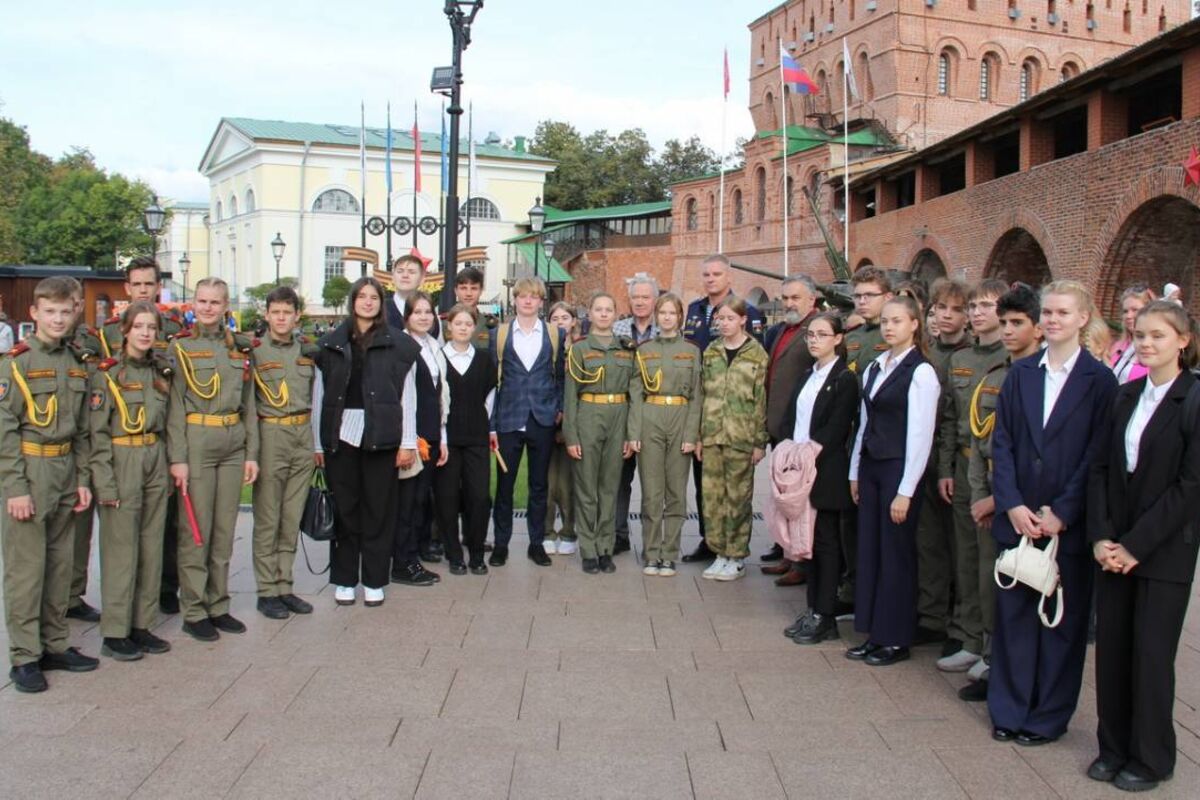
(3, 389)
(97, 401)
(756, 326)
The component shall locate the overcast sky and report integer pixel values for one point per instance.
(144, 84)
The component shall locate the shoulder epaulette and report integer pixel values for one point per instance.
(21, 347)
(107, 364)
(255, 342)
(183, 334)
(162, 366)
(626, 343)
(115, 319)
(855, 327)
(242, 342)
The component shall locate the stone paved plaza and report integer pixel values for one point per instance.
(536, 683)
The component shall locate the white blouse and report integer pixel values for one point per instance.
(1148, 403)
(807, 399)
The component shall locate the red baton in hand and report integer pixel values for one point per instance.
(191, 515)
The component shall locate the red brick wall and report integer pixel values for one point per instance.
(608, 270)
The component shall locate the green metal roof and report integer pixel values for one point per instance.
(320, 133)
(544, 266)
(520, 237)
(556, 216)
(802, 138)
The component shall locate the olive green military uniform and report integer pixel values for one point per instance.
(595, 417)
(732, 424)
(560, 493)
(283, 384)
(211, 427)
(43, 454)
(485, 332)
(85, 343)
(129, 465)
(935, 525)
(967, 368)
(666, 399)
(979, 476)
(864, 343)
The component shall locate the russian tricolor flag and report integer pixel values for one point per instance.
(795, 75)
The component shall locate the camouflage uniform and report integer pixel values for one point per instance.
(732, 424)
(979, 476)
(86, 344)
(966, 370)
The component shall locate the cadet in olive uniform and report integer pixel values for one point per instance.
(966, 369)
(595, 420)
(560, 492)
(129, 472)
(44, 478)
(283, 378)
(212, 445)
(664, 426)
(85, 343)
(733, 434)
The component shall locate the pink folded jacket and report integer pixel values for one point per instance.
(790, 516)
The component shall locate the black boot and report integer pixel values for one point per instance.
(700, 554)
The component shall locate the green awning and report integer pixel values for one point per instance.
(544, 265)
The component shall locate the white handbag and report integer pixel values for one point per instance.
(1036, 568)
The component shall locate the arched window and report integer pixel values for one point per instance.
(339, 201)
(988, 69)
(944, 73)
(1029, 79)
(865, 85)
(771, 115)
(1069, 70)
(693, 218)
(220, 212)
(249, 201)
(791, 196)
(232, 205)
(739, 213)
(712, 212)
(839, 86)
(814, 183)
(760, 194)
(479, 208)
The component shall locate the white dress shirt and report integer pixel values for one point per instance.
(431, 354)
(1056, 379)
(1148, 403)
(400, 303)
(354, 419)
(807, 399)
(527, 345)
(460, 362)
(923, 394)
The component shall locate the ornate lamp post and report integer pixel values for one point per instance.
(153, 218)
(277, 248)
(537, 221)
(185, 264)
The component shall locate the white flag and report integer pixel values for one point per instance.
(848, 68)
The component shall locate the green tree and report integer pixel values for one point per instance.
(258, 294)
(682, 160)
(335, 292)
(20, 170)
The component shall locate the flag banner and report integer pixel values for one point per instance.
(416, 137)
(387, 154)
(848, 68)
(795, 76)
(727, 73)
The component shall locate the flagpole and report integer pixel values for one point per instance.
(471, 164)
(442, 199)
(362, 167)
(721, 191)
(389, 186)
(783, 118)
(846, 149)
(416, 172)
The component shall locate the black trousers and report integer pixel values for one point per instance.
(697, 480)
(1138, 624)
(170, 563)
(363, 483)
(462, 484)
(538, 441)
(624, 492)
(885, 598)
(825, 568)
(414, 512)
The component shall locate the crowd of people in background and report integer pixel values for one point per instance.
(911, 442)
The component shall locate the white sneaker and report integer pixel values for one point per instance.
(372, 597)
(716, 568)
(978, 671)
(651, 569)
(666, 569)
(550, 546)
(961, 661)
(734, 569)
(566, 548)
(344, 595)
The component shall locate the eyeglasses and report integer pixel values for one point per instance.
(863, 296)
(816, 336)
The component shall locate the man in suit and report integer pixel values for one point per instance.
(1048, 415)
(408, 273)
(790, 361)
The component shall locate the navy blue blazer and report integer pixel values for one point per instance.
(1038, 467)
(522, 392)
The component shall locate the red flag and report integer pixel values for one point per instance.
(1191, 169)
(726, 73)
(416, 135)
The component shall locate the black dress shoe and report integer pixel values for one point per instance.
(168, 603)
(414, 575)
(272, 608)
(148, 642)
(843, 610)
(928, 636)
(621, 545)
(1003, 734)
(974, 692)
(478, 568)
(862, 651)
(1103, 770)
(591, 566)
(203, 630)
(429, 556)
(83, 612)
(537, 554)
(798, 625)
(886, 656)
(700, 554)
(120, 649)
(821, 627)
(70, 660)
(774, 554)
(437, 548)
(1129, 781)
(487, 547)
(458, 568)
(951, 646)
(295, 604)
(228, 623)
(499, 556)
(28, 678)
(1027, 739)
(607, 565)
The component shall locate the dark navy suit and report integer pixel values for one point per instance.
(1036, 672)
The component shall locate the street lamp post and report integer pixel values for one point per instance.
(277, 247)
(548, 252)
(537, 220)
(460, 13)
(185, 264)
(152, 219)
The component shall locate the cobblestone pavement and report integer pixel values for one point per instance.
(536, 683)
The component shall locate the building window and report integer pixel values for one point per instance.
(739, 214)
(232, 206)
(249, 201)
(338, 201)
(693, 219)
(1026, 82)
(760, 194)
(772, 119)
(986, 67)
(480, 208)
(1126, 19)
(220, 212)
(712, 212)
(1069, 70)
(334, 267)
(791, 194)
(970, 5)
(1162, 20)
(943, 78)
(865, 85)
